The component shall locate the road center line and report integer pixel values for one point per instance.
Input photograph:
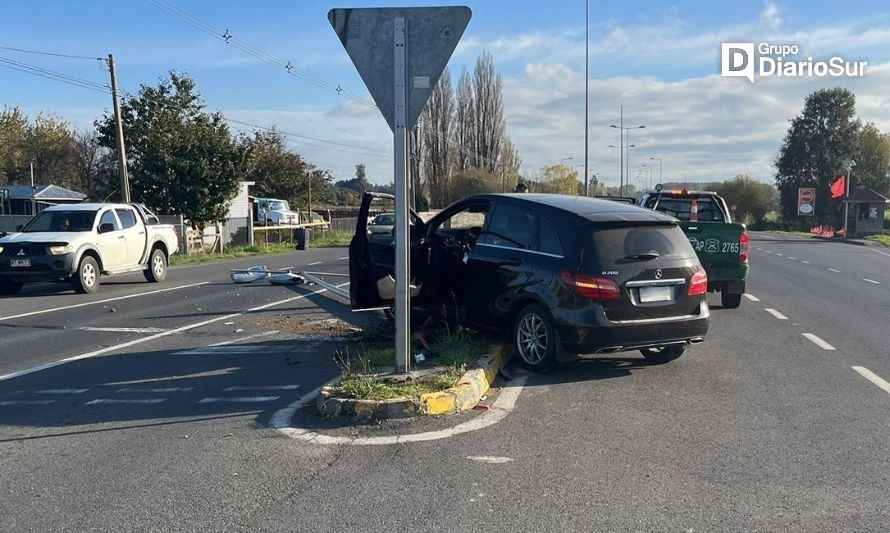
(156, 336)
(502, 407)
(752, 297)
(833, 270)
(871, 376)
(871, 281)
(342, 258)
(805, 262)
(75, 306)
(315, 263)
(819, 342)
(155, 391)
(776, 314)
(105, 401)
(27, 402)
(780, 255)
(62, 391)
(768, 251)
(123, 330)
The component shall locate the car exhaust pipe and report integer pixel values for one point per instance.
(696, 340)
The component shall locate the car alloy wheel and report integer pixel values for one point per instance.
(86, 280)
(534, 338)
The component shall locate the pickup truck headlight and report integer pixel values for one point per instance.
(59, 249)
(1, 249)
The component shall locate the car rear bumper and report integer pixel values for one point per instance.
(43, 268)
(605, 336)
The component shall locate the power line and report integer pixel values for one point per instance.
(255, 51)
(55, 54)
(52, 75)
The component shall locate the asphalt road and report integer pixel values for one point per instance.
(760, 428)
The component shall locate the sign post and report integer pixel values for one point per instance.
(806, 201)
(400, 54)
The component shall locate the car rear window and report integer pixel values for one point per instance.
(608, 245)
(679, 207)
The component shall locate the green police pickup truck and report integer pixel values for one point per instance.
(722, 245)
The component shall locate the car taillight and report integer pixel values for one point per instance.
(593, 287)
(699, 283)
(744, 245)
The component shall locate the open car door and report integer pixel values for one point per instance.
(372, 261)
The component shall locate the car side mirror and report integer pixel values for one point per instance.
(19, 227)
(106, 227)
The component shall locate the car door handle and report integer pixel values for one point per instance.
(141, 233)
(120, 237)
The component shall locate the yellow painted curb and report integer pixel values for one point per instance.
(473, 386)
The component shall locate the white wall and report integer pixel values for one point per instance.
(240, 207)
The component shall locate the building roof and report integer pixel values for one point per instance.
(867, 196)
(42, 192)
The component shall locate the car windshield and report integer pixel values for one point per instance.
(61, 221)
(279, 205)
(681, 207)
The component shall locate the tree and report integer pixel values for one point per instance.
(438, 130)
(472, 181)
(872, 158)
(13, 124)
(49, 143)
(509, 165)
(753, 199)
(489, 113)
(465, 123)
(558, 179)
(183, 160)
(359, 183)
(281, 173)
(817, 143)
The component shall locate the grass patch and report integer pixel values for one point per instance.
(795, 233)
(326, 240)
(882, 239)
(461, 347)
(366, 387)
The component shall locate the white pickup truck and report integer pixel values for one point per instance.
(78, 243)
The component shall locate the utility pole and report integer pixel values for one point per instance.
(849, 166)
(586, 86)
(621, 149)
(119, 134)
(33, 192)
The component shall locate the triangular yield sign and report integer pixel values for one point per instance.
(432, 34)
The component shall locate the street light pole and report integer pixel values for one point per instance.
(660, 177)
(586, 86)
(849, 166)
(624, 164)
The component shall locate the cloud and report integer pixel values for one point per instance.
(769, 17)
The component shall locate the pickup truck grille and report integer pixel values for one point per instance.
(15, 250)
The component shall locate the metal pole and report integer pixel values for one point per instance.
(586, 86)
(847, 198)
(33, 192)
(400, 141)
(621, 149)
(119, 133)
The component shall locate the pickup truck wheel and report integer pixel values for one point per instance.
(9, 287)
(86, 279)
(730, 300)
(535, 339)
(663, 354)
(157, 266)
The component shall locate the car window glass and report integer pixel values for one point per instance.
(679, 208)
(549, 239)
(614, 244)
(473, 216)
(109, 218)
(511, 226)
(127, 216)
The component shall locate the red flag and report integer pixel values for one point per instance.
(839, 188)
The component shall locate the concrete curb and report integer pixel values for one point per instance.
(857, 242)
(466, 395)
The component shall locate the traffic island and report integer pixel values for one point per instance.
(459, 391)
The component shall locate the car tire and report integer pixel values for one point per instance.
(662, 354)
(730, 300)
(157, 266)
(86, 279)
(9, 287)
(534, 339)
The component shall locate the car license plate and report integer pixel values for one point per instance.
(655, 294)
(20, 262)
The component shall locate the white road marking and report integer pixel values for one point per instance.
(342, 258)
(491, 459)
(760, 248)
(105, 401)
(242, 399)
(819, 342)
(226, 349)
(66, 307)
(241, 339)
(776, 314)
(62, 391)
(124, 330)
(156, 336)
(780, 255)
(805, 262)
(267, 387)
(208, 374)
(154, 391)
(752, 297)
(768, 251)
(315, 263)
(504, 405)
(27, 402)
(871, 376)
(871, 281)
(882, 253)
(792, 258)
(833, 270)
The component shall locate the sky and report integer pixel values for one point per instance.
(661, 61)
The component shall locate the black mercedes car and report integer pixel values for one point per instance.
(562, 275)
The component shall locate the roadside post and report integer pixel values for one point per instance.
(400, 54)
